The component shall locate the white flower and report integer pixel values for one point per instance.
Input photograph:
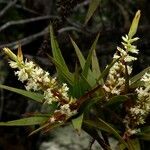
(29, 65)
(65, 109)
(49, 96)
(129, 58)
(22, 75)
(115, 82)
(37, 79)
(64, 91)
(141, 109)
(32, 85)
(13, 64)
(107, 89)
(52, 119)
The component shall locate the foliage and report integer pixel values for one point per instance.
(109, 100)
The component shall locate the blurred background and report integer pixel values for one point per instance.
(26, 22)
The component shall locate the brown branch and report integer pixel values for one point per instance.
(69, 28)
(23, 8)
(26, 40)
(31, 38)
(8, 6)
(24, 21)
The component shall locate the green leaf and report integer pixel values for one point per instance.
(145, 133)
(137, 77)
(57, 53)
(34, 96)
(66, 74)
(46, 127)
(85, 64)
(79, 84)
(102, 125)
(115, 100)
(134, 24)
(89, 58)
(78, 53)
(106, 70)
(133, 144)
(92, 7)
(25, 121)
(95, 67)
(77, 123)
(90, 103)
(144, 136)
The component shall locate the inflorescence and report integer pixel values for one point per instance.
(115, 83)
(36, 79)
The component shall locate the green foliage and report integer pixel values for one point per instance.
(77, 123)
(94, 4)
(32, 95)
(96, 106)
(36, 120)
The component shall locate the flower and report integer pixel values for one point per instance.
(115, 82)
(138, 112)
(37, 79)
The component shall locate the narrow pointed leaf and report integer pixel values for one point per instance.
(92, 7)
(46, 126)
(79, 53)
(77, 123)
(102, 125)
(115, 100)
(139, 75)
(34, 96)
(66, 74)
(95, 67)
(133, 144)
(89, 58)
(56, 50)
(145, 133)
(77, 84)
(106, 70)
(134, 24)
(25, 121)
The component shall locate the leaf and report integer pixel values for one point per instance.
(139, 76)
(106, 70)
(144, 136)
(115, 100)
(102, 125)
(46, 127)
(56, 50)
(85, 64)
(92, 8)
(25, 121)
(77, 123)
(66, 74)
(89, 58)
(145, 133)
(57, 54)
(133, 144)
(79, 85)
(95, 67)
(134, 24)
(34, 96)
(78, 53)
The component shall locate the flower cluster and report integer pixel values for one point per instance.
(115, 83)
(37, 79)
(139, 112)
